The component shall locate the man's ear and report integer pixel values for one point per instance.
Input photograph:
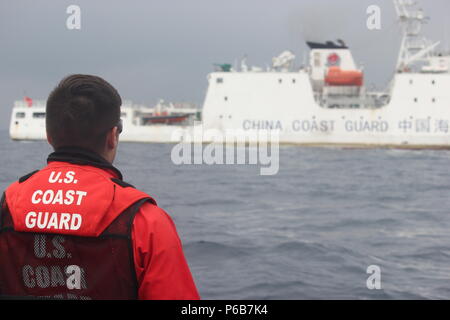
(49, 139)
(112, 139)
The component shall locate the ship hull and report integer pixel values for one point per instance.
(417, 115)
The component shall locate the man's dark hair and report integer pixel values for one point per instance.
(80, 112)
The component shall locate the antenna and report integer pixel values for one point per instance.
(414, 47)
(446, 38)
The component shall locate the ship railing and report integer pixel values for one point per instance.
(125, 103)
(26, 104)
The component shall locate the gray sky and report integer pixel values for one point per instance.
(151, 49)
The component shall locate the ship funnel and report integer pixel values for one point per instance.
(324, 56)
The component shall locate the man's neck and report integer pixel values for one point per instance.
(82, 156)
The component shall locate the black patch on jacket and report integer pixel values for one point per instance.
(121, 183)
(28, 176)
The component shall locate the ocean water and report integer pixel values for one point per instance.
(309, 232)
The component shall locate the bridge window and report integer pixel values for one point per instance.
(20, 115)
(219, 80)
(39, 115)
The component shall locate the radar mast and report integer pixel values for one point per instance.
(415, 47)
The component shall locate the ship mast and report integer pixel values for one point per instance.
(414, 47)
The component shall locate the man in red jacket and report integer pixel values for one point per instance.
(75, 229)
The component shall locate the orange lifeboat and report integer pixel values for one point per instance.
(338, 77)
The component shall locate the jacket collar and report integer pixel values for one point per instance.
(80, 156)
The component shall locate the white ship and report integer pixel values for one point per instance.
(140, 123)
(324, 103)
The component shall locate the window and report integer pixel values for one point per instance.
(20, 115)
(280, 80)
(219, 80)
(123, 114)
(434, 100)
(294, 80)
(433, 82)
(317, 59)
(416, 100)
(39, 115)
(411, 81)
(226, 98)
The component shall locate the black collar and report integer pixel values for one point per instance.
(80, 156)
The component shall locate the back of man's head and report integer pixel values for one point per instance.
(80, 112)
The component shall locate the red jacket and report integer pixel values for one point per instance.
(161, 269)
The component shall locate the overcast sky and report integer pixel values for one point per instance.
(152, 49)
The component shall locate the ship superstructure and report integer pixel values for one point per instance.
(327, 103)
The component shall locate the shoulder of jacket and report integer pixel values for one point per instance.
(126, 190)
(27, 176)
(12, 190)
(16, 185)
(122, 183)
